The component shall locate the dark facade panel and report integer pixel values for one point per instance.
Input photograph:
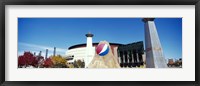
(130, 55)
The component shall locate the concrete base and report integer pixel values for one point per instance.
(107, 61)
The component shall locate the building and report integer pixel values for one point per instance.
(79, 51)
(131, 55)
(86, 51)
(170, 61)
(175, 63)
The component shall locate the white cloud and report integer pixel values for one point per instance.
(34, 47)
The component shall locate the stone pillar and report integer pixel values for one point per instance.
(89, 50)
(127, 57)
(132, 57)
(154, 53)
(123, 58)
(137, 56)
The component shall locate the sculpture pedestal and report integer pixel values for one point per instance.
(107, 61)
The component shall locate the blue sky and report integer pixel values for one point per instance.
(38, 34)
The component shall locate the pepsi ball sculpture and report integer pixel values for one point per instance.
(102, 49)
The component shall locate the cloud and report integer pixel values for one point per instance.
(34, 47)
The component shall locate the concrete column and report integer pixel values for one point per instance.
(128, 57)
(137, 56)
(132, 57)
(89, 49)
(123, 58)
(154, 53)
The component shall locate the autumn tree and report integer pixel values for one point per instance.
(79, 64)
(40, 61)
(59, 61)
(48, 63)
(27, 59)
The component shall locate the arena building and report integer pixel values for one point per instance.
(86, 51)
(78, 52)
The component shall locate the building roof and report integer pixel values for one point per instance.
(84, 44)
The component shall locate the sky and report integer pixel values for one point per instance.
(39, 34)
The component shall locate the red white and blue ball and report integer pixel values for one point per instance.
(102, 49)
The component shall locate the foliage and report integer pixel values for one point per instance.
(48, 63)
(27, 59)
(59, 61)
(79, 64)
(39, 57)
(70, 65)
(40, 61)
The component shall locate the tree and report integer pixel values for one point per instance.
(70, 65)
(21, 61)
(79, 64)
(48, 63)
(40, 61)
(27, 59)
(59, 61)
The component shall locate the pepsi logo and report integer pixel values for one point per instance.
(102, 49)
